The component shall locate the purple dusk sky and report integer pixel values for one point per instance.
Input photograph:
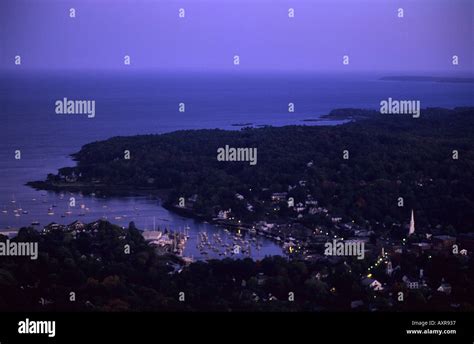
(259, 31)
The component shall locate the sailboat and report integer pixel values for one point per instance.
(82, 213)
(20, 209)
(186, 231)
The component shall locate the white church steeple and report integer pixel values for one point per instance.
(412, 224)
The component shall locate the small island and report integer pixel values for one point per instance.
(248, 124)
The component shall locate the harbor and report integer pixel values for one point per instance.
(167, 231)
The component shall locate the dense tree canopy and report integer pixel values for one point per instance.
(389, 157)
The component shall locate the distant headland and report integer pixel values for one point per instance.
(428, 79)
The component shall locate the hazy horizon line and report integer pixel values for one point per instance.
(243, 71)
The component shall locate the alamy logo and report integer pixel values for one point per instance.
(237, 154)
(75, 107)
(12, 248)
(37, 327)
(345, 248)
(400, 107)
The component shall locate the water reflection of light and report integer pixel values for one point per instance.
(145, 212)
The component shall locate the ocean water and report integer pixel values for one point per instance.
(147, 103)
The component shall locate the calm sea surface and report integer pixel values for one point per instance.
(140, 103)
